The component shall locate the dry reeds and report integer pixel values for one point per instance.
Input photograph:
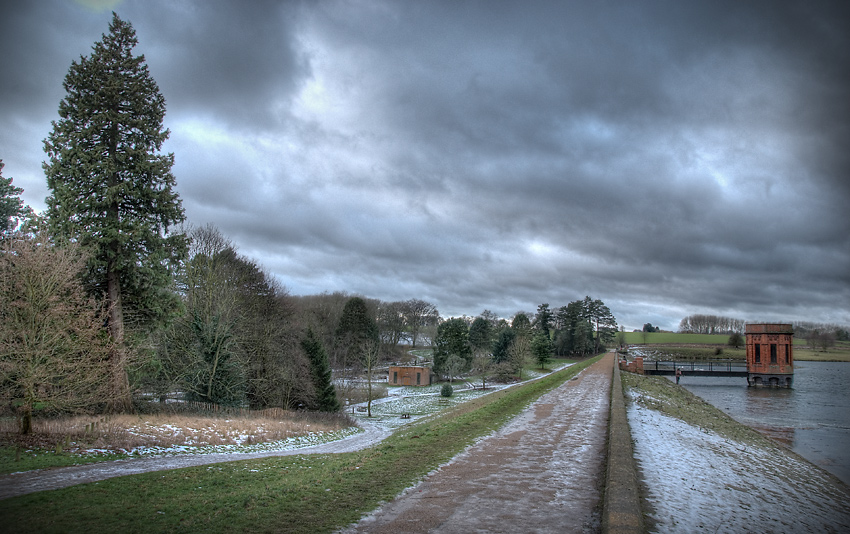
(129, 432)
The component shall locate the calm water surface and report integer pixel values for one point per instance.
(812, 418)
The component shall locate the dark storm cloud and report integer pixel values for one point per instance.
(234, 61)
(667, 157)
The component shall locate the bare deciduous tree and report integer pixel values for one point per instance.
(419, 315)
(53, 348)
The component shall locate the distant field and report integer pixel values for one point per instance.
(659, 338)
(839, 353)
(650, 338)
(836, 354)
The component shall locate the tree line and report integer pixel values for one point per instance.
(490, 346)
(710, 324)
(817, 335)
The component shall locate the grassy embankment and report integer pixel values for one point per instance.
(308, 493)
(661, 394)
(699, 346)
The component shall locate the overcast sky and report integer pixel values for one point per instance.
(666, 157)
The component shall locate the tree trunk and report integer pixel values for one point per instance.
(120, 398)
(369, 394)
(26, 419)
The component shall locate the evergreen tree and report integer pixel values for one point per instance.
(543, 319)
(358, 336)
(11, 205)
(541, 348)
(502, 345)
(521, 324)
(576, 333)
(356, 325)
(326, 400)
(481, 335)
(113, 191)
(605, 325)
(452, 339)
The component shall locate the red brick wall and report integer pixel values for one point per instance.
(762, 339)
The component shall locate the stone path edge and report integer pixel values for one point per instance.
(621, 510)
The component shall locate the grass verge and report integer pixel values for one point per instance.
(18, 459)
(310, 493)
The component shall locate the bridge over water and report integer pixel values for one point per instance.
(697, 368)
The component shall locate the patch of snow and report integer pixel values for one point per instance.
(698, 481)
(422, 401)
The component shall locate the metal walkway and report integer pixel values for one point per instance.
(694, 368)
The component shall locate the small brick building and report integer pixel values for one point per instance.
(409, 375)
(770, 354)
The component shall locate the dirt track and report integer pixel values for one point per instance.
(542, 472)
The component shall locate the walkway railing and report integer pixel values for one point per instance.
(697, 368)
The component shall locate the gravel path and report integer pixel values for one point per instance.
(47, 479)
(542, 472)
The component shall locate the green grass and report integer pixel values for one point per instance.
(652, 338)
(531, 366)
(309, 493)
(839, 353)
(835, 354)
(666, 338)
(13, 460)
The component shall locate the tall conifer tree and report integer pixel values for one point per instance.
(112, 189)
(326, 400)
(11, 206)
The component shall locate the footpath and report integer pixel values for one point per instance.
(544, 471)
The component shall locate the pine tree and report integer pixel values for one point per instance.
(541, 348)
(112, 190)
(452, 339)
(11, 205)
(326, 400)
(358, 335)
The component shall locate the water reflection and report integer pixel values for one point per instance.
(782, 434)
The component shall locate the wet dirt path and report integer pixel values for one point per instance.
(542, 472)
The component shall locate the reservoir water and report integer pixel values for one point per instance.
(812, 418)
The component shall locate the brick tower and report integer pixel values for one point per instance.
(770, 355)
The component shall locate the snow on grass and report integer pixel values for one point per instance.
(698, 481)
(292, 443)
(421, 401)
(417, 402)
(168, 435)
